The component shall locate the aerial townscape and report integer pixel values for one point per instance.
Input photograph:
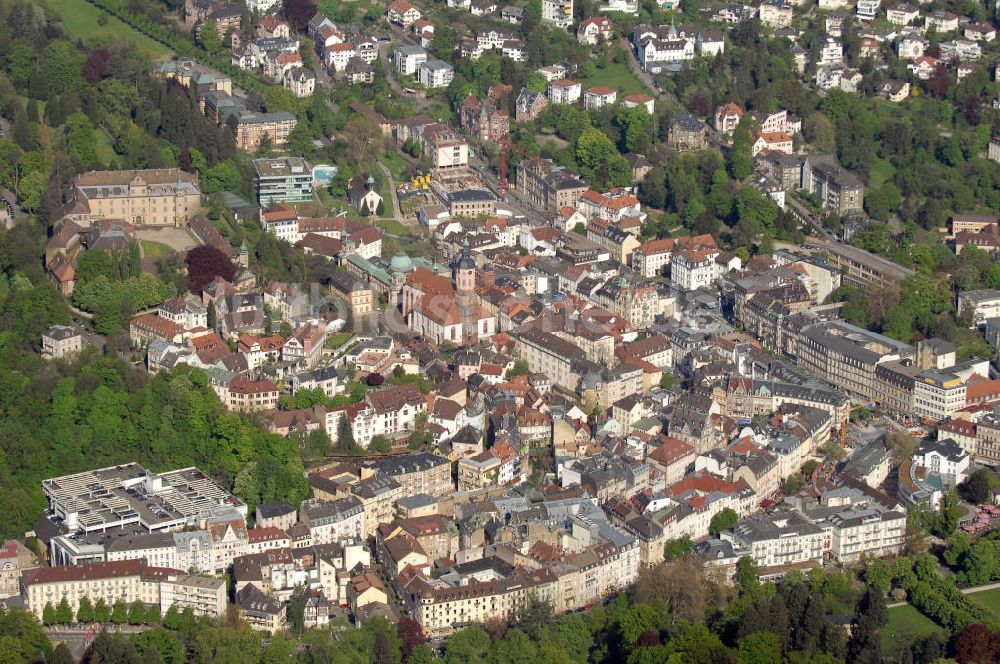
(565, 331)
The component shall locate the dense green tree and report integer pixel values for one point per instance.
(724, 520)
(85, 610)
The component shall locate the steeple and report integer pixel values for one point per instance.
(465, 270)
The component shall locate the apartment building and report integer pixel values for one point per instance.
(558, 12)
(549, 354)
(480, 471)
(283, 180)
(846, 355)
(564, 91)
(356, 293)
(435, 74)
(442, 610)
(252, 128)
(984, 304)
(127, 580)
(203, 595)
(548, 186)
(839, 190)
(408, 59)
(335, 521)
(246, 395)
(416, 473)
(779, 540)
(153, 197)
(447, 150)
(864, 270)
(692, 269)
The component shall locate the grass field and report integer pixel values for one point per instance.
(905, 621)
(102, 144)
(617, 76)
(151, 249)
(880, 172)
(80, 19)
(989, 599)
(339, 339)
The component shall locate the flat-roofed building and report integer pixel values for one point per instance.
(117, 496)
(283, 180)
(864, 270)
(205, 596)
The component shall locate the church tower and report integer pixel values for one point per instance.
(464, 271)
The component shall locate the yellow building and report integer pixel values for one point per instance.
(154, 197)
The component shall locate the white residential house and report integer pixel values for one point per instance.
(436, 74)
(902, 14)
(942, 21)
(408, 59)
(337, 56)
(831, 52)
(867, 10)
(599, 97)
(564, 91)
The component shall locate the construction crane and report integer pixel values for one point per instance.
(504, 146)
(878, 398)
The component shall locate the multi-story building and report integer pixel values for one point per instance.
(408, 59)
(558, 12)
(127, 580)
(687, 132)
(357, 293)
(154, 197)
(252, 128)
(335, 521)
(246, 395)
(61, 341)
(548, 186)
(779, 540)
(840, 191)
(846, 355)
(447, 150)
(548, 354)
(983, 303)
(283, 180)
(864, 270)
(416, 473)
(938, 394)
(479, 471)
(692, 269)
(203, 595)
(564, 91)
(435, 74)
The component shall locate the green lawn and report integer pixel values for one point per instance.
(339, 339)
(905, 621)
(102, 144)
(880, 172)
(396, 165)
(617, 76)
(152, 249)
(390, 225)
(989, 599)
(80, 19)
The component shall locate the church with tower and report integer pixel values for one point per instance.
(447, 311)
